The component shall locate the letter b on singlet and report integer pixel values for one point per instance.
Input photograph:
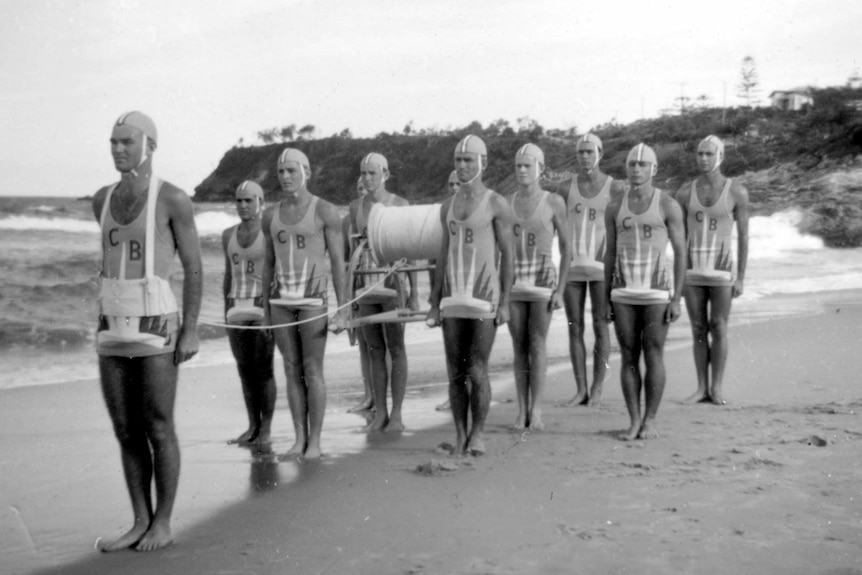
(136, 251)
(468, 236)
(713, 224)
(249, 267)
(300, 242)
(531, 239)
(591, 214)
(647, 231)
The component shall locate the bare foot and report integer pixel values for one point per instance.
(595, 398)
(364, 405)
(536, 423)
(247, 437)
(377, 424)
(261, 439)
(126, 541)
(715, 397)
(313, 452)
(475, 446)
(443, 406)
(520, 422)
(632, 433)
(294, 452)
(395, 424)
(157, 536)
(580, 398)
(697, 397)
(648, 431)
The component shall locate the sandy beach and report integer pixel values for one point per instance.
(767, 484)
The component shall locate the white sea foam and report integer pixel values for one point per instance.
(49, 224)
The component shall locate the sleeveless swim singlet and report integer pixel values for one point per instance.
(300, 260)
(472, 289)
(588, 233)
(138, 311)
(710, 241)
(641, 275)
(245, 298)
(535, 272)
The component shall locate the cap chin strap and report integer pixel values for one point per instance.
(479, 173)
(144, 156)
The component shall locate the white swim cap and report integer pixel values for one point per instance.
(294, 155)
(250, 187)
(472, 145)
(642, 153)
(531, 151)
(140, 121)
(376, 159)
(589, 141)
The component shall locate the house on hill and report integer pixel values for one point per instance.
(791, 99)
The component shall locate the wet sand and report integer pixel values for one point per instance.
(767, 484)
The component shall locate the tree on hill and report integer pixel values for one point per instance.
(748, 88)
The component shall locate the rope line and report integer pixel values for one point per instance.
(394, 269)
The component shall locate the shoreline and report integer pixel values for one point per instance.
(570, 494)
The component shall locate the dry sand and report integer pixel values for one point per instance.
(767, 484)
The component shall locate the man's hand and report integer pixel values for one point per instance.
(187, 346)
(502, 315)
(738, 288)
(338, 323)
(433, 319)
(672, 312)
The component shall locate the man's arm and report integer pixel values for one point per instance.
(683, 198)
(610, 252)
(268, 273)
(227, 282)
(182, 222)
(740, 213)
(563, 227)
(503, 233)
(676, 236)
(439, 269)
(334, 240)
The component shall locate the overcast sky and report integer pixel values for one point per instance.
(210, 72)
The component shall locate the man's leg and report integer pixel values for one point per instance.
(378, 372)
(696, 303)
(159, 387)
(518, 320)
(602, 349)
(398, 377)
(121, 389)
(265, 392)
(457, 334)
(574, 299)
(538, 324)
(720, 299)
(480, 385)
(367, 402)
(242, 346)
(288, 341)
(654, 335)
(628, 324)
(313, 335)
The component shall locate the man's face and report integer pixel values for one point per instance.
(371, 176)
(526, 170)
(453, 184)
(127, 147)
(708, 157)
(639, 172)
(247, 205)
(291, 177)
(588, 156)
(467, 166)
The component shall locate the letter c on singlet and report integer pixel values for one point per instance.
(579, 208)
(626, 224)
(452, 230)
(235, 259)
(698, 216)
(281, 236)
(112, 237)
(516, 229)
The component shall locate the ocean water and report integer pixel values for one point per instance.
(49, 265)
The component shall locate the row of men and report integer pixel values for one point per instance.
(495, 266)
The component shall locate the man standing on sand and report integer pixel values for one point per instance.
(298, 232)
(537, 217)
(587, 196)
(470, 296)
(243, 304)
(141, 341)
(452, 185)
(711, 204)
(639, 224)
(388, 337)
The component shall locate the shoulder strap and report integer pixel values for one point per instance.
(150, 230)
(107, 204)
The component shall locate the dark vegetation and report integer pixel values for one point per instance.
(829, 133)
